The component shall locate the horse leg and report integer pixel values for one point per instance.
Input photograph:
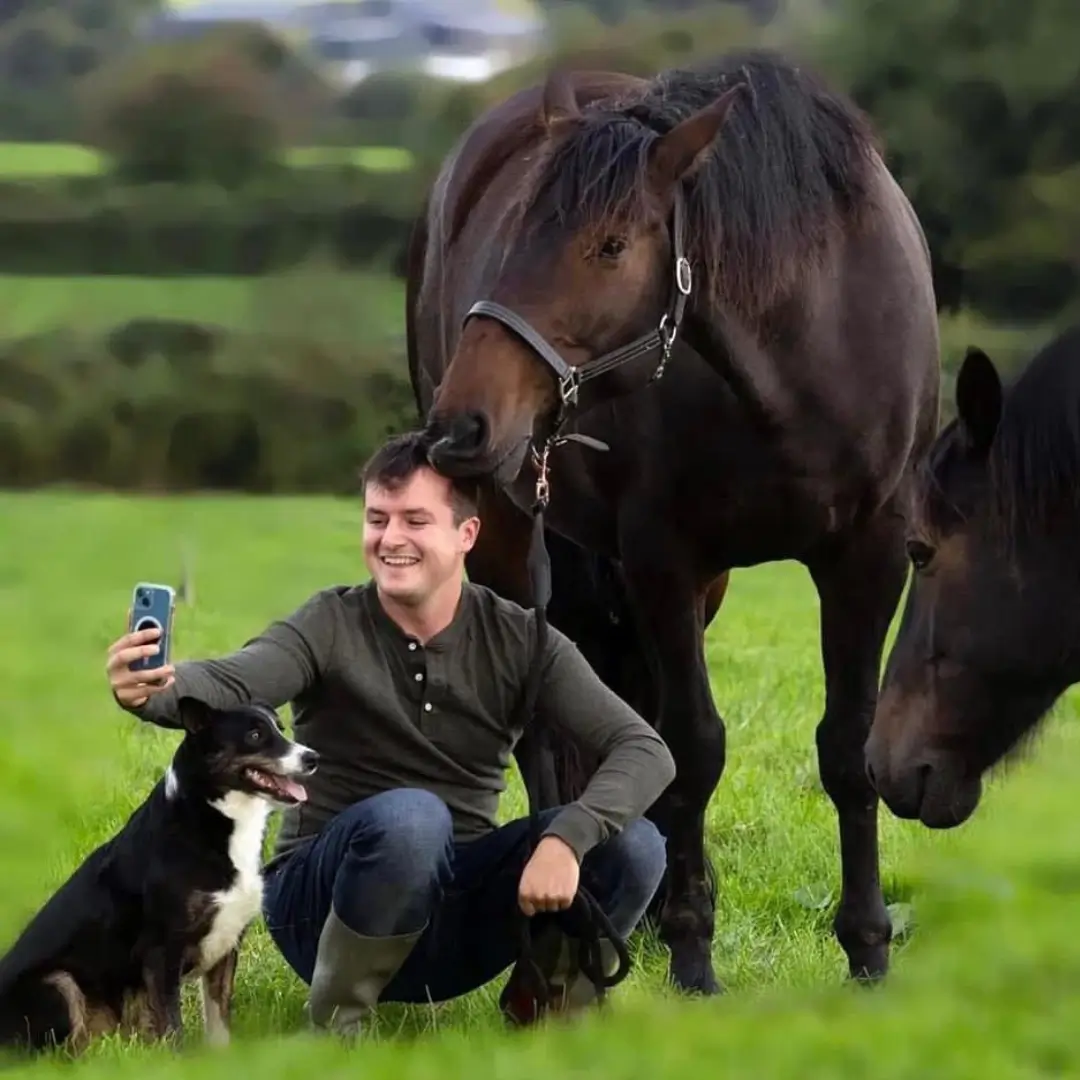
(671, 610)
(859, 586)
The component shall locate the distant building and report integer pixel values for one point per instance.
(466, 40)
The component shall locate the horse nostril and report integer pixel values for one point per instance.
(472, 432)
(870, 775)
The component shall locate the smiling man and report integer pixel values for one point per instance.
(394, 881)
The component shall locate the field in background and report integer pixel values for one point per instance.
(320, 304)
(988, 965)
(36, 160)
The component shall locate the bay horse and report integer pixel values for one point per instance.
(989, 637)
(713, 278)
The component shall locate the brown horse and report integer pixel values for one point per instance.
(736, 232)
(990, 633)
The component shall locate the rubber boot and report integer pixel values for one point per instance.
(565, 988)
(351, 971)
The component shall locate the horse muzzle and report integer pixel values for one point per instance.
(460, 446)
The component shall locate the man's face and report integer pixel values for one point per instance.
(412, 545)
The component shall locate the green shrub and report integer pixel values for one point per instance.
(183, 407)
(89, 225)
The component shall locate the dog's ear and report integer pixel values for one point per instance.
(194, 714)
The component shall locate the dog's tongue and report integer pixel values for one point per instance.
(291, 787)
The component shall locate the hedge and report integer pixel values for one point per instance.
(177, 406)
(86, 226)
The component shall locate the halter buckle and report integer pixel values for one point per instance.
(684, 277)
(568, 387)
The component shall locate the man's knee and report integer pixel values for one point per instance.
(407, 831)
(643, 850)
(629, 867)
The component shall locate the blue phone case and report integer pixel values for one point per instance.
(152, 605)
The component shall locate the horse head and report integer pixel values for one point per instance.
(591, 288)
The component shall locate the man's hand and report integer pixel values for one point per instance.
(549, 881)
(134, 688)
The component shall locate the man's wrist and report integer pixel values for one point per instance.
(550, 840)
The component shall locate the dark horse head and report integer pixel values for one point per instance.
(990, 634)
(589, 265)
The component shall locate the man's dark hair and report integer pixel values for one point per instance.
(401, 456)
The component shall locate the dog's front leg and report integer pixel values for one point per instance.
(161, 973)
(217, 989)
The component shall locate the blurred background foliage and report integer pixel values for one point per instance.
(206, 235)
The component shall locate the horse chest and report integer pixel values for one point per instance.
(235, 907)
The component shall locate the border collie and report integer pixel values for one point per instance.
(168, 897)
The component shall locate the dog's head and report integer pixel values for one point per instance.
(244, 749)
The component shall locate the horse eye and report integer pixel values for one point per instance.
(920, 554)
(612, 247)
(255, 735)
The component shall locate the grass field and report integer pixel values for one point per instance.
(352, 308)
(19, 160)
(986, 978)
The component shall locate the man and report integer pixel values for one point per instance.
(393, 881)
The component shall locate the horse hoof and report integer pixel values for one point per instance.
(692, 970)
(869, 966)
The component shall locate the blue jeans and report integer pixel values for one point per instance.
(389, 865)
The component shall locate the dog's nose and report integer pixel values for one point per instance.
(309, 759)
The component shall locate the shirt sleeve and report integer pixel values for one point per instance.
(273, 668)
(636, 765)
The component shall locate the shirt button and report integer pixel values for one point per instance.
(419, 676)
(412, 646)
(427, 706)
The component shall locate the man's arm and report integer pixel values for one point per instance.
(636, 764)
(272, 668)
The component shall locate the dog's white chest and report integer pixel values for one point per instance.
(237, 906)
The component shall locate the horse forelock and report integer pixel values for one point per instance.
(792, 163)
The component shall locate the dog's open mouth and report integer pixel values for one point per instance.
(281, 788)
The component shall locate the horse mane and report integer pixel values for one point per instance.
(792, 162)
(1035, 457)
(1033, 466)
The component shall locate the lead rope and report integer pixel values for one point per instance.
(585, 915)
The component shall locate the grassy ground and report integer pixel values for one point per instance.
(20, 160)
(329, 305)
(986, 970)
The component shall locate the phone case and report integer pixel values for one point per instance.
(152, 605)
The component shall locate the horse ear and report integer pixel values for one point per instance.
(677, 153)
(560, 102)
(978, 399)
(194, 714)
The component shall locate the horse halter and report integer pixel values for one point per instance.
(572, 377)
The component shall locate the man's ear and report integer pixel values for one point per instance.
(470, 530)
(194, 714)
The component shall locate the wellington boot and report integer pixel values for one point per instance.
(351, 971)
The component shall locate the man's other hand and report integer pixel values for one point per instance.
(549, 881)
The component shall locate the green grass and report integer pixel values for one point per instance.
(984, 980)
(351, 308)
(33, 160)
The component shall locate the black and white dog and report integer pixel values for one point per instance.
(168, 897)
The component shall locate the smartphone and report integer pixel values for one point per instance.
(152, 606)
